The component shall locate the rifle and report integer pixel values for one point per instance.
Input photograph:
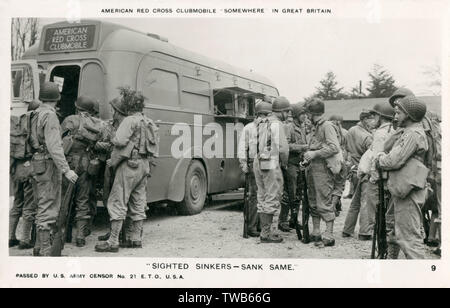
(59, 238)
(305, 210)
(379, 240)
(246, 205)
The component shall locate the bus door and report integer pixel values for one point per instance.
(24, 85)
(67, 77)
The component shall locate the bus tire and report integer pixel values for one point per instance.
(196, 186)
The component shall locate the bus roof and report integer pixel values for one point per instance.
(114, 37)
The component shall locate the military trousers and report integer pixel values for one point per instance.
(320, 187)
(252, 200)
(408, 224)
(270, 188)
(292, 193)
(48, 194)
(25, 203)
(128, 197)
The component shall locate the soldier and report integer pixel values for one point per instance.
(296, 137)
(431, 125)
(80, 133)
(135, 143)
(383, 115)
(339, 179)
(24, 205)
(48, 163)
(105, 146)
(272, 153)
(359, 140)
(247, 153)
(405, 158)
(323, 146)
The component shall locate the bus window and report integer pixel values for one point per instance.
(69, 76)
(22, 84)
(223, 103)
(161, 88)
(195, 94)
(92, 85)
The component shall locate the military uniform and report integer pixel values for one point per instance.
(247, 153)
(83, 130)
(410, 147)
(49, 163)
(267, 168)
(128, 196)
(359, 139)
(296, 138)
(320, 179)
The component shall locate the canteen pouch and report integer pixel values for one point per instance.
(39, 164)
(93, 167)
(413, 175)
(133, 161)
(265, 161)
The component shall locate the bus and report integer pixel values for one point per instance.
(96, 57)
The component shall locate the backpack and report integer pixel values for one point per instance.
(433, 156)
(23, 135)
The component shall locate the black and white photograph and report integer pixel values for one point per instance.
(264, 131)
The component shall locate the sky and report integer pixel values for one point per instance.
(296, 54)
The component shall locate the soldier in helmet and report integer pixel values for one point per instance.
(298, 145)
(323, 146)
(105, 147)
(80, 133)
(271, 155)
(135, 143)
(49, 163)
(383, 115)
(247, 153)
(405, 162)
(24, 205)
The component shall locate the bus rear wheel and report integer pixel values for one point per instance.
(196, 185)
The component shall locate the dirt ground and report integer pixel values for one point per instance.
(217, 233)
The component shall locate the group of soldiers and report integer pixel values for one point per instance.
(289, 150)
(68, 159)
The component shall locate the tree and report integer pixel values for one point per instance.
(433, 72)
(328, 88)
(24, 33)
(382, 83)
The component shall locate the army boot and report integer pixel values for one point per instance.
(13, 222)
(126, 234)
(45, 243)
(25, 243)
(328, 238)
(266, 234)
(137, 228)
(82, 225)
(316, 237)
(112, 244)
(393, 250)
(37, 245)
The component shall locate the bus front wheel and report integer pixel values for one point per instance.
(195, 189)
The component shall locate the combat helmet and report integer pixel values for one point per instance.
(399, 93)
(119, 106)
(413, 107)
(315, 107)
(85, 103)
(384, 110)
(336, 117)
(263, 107)
(298, 109)
(33, 105)
(281, 103)
(49, 92)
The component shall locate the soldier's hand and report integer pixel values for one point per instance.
(310, 155)
(71, 176)
(102, 146)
